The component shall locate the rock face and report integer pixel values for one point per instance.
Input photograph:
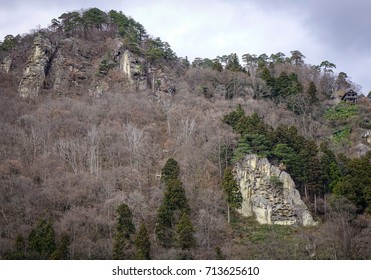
(269, 194)
(37, 67)
(134, 68)
(6, 64)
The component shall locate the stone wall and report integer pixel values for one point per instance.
(269, 194)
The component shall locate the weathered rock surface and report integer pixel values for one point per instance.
(38, 65)
(271, 201)
(135, 69)
(6, 64)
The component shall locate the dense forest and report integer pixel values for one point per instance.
(120, 149)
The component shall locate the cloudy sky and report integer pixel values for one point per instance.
(335, 30)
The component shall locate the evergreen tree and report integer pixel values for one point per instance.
(219, 254)
(312, 92)
(19, 250)
(62, 252)
(124, 222)
(124, 228)
(121, 247)
(173, 205)
(94, 18)
(143, 244)
(41, 240)
(170, 171)
(232, 192)
(184, 233)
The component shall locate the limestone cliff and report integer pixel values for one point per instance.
(6, 64)
(269, 194)
(37, 67)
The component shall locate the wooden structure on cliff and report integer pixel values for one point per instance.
(350, 95)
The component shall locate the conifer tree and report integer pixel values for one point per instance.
(232, 192)
(184, 231)
(143, 244)
(170, 171)
(41, 240)
(173, 205)
(61, 253)
(124, 227)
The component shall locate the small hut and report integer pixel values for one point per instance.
(350, 95)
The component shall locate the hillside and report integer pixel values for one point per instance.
(111, 146)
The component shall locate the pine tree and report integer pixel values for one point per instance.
(62, 253)
(124, 223)
(41, 240)
(173, 205)
(170, 171)
(232, 192)
(184, 231)
(312, 92)
(19, 250)
(143, 244)
(124, 228)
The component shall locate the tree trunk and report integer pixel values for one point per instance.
(229, 215)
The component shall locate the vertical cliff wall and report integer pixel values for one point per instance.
(269, 194)
(37, 66)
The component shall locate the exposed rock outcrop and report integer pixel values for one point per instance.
(37, 67)
(6, 64)
(134, 69)
(269, 194)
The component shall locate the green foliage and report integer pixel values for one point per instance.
(232, 63)
(158, 51)
(106, 65)
(41, 240)
(19, 252)
(330, 170)
(355, 184)
(231, 190)
(124, 228)
(170, 171)
(284, 153)
(94, 18)
(312, 92)
(71, 21)
(124, 220)
(184, 233)
(62, 252)
(143, 244)
(341, 134)
(234, 118)
(174, 203)
(219, 254)
(243, 148)
(342, 111)
(9, 43)
(297, 58)
(120, 250)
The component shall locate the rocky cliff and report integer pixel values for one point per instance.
(37, 68)
(66, 65)
(269, 194)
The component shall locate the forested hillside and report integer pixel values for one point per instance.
(112, 147)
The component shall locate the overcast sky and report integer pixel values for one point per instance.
(335, 30)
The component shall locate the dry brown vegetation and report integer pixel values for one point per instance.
(73, 158)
